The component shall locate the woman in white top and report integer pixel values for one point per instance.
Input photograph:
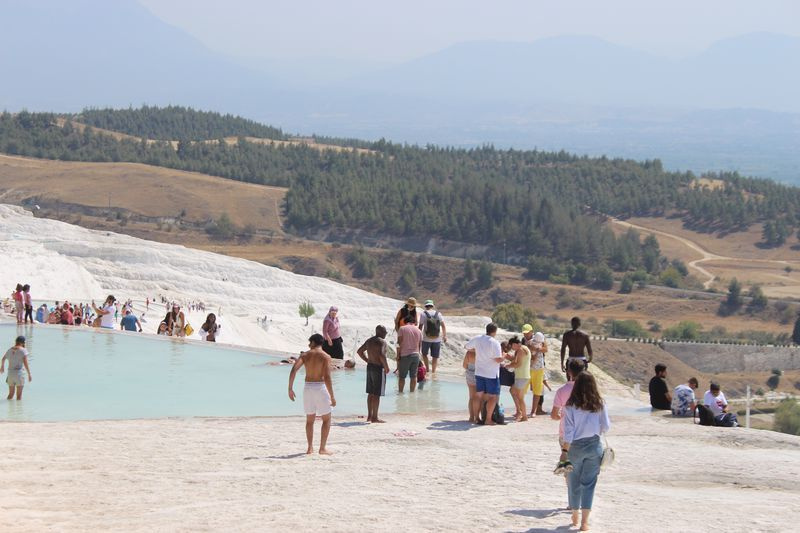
(105, 314)
(585, 419)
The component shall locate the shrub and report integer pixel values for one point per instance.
(626, 286)
(603, 277)
(408, 280)
(787, 417)
(513, 316)
(332, 273)
(626, 328)
(685, 330)
(221, 229)
(362, 263)
(485, 275)
(773, 381)
(306, 310)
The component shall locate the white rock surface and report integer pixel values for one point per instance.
(62, 261)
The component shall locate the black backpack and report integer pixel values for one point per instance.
(497, 418)
(433, 324)
(705, 415)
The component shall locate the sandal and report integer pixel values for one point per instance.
(563, 467)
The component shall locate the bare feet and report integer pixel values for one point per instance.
(309, 451)
(523, 419)
(575, 518)
(379, 421)
(324, 451)
(490, 423)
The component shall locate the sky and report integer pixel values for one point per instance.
(391, 32)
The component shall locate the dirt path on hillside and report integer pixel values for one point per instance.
(706, 255)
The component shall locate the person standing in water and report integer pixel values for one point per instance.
(377, 368)
(318, 398)
(578, 343)
(17, 357)
(333, 345)
(406, 314)
(27, 300)
(19, 303)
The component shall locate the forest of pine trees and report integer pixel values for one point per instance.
(541, 205)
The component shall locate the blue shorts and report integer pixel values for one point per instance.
(487, 385)
(434, 348)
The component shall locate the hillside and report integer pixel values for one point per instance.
(138, 193)
(511, 204)
(529, 212)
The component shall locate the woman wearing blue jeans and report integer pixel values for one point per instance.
(585, 419)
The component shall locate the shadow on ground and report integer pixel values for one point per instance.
(451, 425)
(542, 514)
(349, 424)
(289, 456)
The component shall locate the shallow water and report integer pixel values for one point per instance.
(88, 374)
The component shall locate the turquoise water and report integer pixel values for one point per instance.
(85, 374)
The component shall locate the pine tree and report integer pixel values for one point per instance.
(796, 331)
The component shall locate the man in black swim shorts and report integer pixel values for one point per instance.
(377, 368)
(578, 343)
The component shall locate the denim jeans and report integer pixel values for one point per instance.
(585, 455)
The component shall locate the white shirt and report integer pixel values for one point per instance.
(715, 403)
(107, 320)
(486, 350)
(580, 424)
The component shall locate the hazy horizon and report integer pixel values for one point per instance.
(376, 33)
(702, 87)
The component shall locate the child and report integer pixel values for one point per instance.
(19, 303)
(17, 357)
(421, 376)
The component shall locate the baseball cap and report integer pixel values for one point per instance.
(412, 301)
(428, 303)
(527, 328)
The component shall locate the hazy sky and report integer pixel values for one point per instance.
(383, 31)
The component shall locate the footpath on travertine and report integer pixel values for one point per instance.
(431, 473)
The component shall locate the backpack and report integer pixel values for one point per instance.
(705, 415)
(497, 417)
(433, 325)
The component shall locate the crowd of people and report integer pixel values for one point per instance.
(519, 363)
(578, 405)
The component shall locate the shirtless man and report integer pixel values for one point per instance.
(377, 368)
(318, 391)
(578, 343)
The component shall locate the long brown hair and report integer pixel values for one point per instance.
(585, 394)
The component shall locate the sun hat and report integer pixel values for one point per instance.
(527, 328)
(333, 308)
(428, 303)
(538, 337)
(411, 300)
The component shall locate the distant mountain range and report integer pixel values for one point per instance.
(729, 107)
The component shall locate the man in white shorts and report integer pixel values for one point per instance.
(318, 396)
